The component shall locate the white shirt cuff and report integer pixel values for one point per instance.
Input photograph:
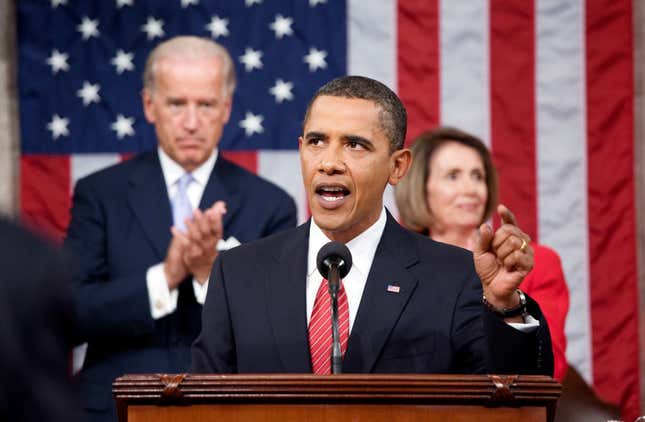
(162, 301)
(200, 291)
(530, 324)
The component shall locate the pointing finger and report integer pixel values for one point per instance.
(506, 215)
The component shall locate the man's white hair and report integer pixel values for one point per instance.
(190, 48)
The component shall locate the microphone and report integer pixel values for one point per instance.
(334, 253)
(334, 262)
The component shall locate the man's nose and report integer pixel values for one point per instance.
(332, 160)
(190, 118)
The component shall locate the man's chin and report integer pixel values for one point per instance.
(328, 221)
(192, 161)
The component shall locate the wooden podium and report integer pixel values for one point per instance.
(338, 398)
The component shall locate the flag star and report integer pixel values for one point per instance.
(282, 91)
(89, 93)
(186, 3)
(123, 126)
(154, 28)
(217, 27)
(122, 61)
(252, 124)
(312, 3)
(121, 3)
(56, 3)
(89, 28)
(252, 59)
(281, 26)
(58, 126)
(249, 3)
(316, 59)
(58, 61)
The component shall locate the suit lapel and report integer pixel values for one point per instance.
(222, 186)
(381, 305)
(148, 198)
(286, 301)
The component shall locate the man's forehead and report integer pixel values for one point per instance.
(334, 110)
(342, 109)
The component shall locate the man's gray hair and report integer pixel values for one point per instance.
(190, 47)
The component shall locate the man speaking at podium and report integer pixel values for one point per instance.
(408, 304)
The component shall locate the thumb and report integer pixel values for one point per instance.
(484, 239)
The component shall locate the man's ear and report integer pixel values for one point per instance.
(228, 105)
(400, 162)
(148, 106)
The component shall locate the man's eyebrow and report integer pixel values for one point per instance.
(314, 134)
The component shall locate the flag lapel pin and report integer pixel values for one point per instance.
(393, 288)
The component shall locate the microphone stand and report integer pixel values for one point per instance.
(333, 283)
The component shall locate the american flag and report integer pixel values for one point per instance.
(548, 84)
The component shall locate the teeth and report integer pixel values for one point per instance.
(333, 189)
(332, 198)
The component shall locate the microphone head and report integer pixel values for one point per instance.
(334, 251)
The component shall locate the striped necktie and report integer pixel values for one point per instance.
(320, 333)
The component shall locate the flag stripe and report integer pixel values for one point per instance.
(561, 160)
(465, 66)
(612, 241)
(245, 159)
(512, 72)
(283, 169)
(85, 164)
(372, 40)
(418, 63)
(44, 192)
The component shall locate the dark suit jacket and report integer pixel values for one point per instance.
(120, 226)
(254, 318)
(36, 322)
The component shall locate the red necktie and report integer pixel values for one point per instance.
(320, 337)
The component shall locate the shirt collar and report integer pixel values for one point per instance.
(172, 171)
(362, 247)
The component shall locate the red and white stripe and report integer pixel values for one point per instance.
(548, 85)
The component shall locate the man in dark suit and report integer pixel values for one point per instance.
(141, 286)
(36, 329)
(413, 305)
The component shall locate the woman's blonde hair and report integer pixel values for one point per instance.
(411, 193)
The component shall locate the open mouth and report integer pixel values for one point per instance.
(331, 196)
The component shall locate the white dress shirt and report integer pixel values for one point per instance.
(163, 301)
(362, 247)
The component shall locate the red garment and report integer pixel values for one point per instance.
(547, 286)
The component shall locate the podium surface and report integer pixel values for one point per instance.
(339, 398)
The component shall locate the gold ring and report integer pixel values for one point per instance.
(523, 247)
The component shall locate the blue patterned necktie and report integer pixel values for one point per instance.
(181, 208)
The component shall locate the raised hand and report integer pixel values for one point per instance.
(502, 260)
(203, 232)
